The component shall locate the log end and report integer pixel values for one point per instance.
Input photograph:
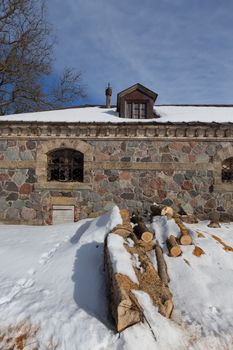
(175, 251)
(213, 224)
(125, 215)
(168, 212)
(198, 251)
(147, 237)
(127, 315)
(168, 308)
(185, 240)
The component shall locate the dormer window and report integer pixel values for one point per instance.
(136, 102)
(136, 110)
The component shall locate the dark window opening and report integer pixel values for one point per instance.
(227, 170)
(65, 165)
(136, 110)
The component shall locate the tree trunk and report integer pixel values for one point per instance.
(173, 247)
(162, 266)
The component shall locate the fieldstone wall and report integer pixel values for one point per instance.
(172, 173)
(130, 173)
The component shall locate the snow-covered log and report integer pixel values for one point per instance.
(121, 279)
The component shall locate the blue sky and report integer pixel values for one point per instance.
(182, 49)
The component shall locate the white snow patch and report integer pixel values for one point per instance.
(187, 114)
(168, 334)
(65, 297)
(172, 114)
(137, 263)
(130, 242)
(120, 258)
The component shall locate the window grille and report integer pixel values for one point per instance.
(227, 170)
(65, 165)
(136, 110)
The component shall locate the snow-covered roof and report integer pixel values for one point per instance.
(168, 114)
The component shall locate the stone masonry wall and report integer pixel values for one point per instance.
(130, 174)
(173, 173)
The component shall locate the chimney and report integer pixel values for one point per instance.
(108, 93)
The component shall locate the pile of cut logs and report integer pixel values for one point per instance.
(123, 304)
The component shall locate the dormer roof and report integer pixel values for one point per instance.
(139, 87)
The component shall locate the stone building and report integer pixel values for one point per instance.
(62, 165)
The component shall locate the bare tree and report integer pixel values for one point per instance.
(26, 57)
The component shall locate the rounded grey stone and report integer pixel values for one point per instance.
(12, 214)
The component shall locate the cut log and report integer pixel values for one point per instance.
(168, 212)
(213, 224)
(136, 218)
(198, 251)
(185, 238)
(169, 306)
(127, 315)
(126, 227)
(147, 237)
(173, 247)
(124, 309)
(122, 232)
(142, 232)
(125, 215)
(214, 217)
(161, 263)
(147, 246)
(189, 219)
(156, 209)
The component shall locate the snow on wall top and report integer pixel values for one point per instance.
(173, 114)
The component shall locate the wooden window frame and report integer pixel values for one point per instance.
(133, 104)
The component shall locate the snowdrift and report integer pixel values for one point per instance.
(53, 296)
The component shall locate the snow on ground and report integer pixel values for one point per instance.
(96, 114)
(52, 278)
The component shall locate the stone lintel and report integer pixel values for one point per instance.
(111, 165)
(17, 164)
(223, 187)
(5, 164)
(62, 186)
(152, 166)
(63, 200)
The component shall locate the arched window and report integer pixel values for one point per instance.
(227, 170)
(65, 165)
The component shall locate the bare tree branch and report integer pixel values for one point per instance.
(26, 46)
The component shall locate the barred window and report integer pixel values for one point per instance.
(65, 165)
(227, 170)
(136, 110)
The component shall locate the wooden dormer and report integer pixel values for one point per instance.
(136, 102)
